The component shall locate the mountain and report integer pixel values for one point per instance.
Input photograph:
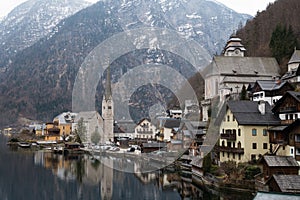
(257, 33)
(31, 21)
(38, 81)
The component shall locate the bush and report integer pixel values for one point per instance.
(251, 171)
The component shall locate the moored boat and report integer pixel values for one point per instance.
(24, 144)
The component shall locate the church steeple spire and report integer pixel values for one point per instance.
(108, 94)
(108, 110)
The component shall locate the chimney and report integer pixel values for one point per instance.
(262, 107)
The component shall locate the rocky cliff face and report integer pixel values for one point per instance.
(38, 81)
(31, 21)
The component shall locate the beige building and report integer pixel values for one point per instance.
(243, 131)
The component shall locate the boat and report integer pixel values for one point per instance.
(58, 149)
(24, 144)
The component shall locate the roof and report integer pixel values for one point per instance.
(250, 66)
(125, 126)
(277, 128)
(295, 95)
(87, 115)
(295, 57)
(275, 196)
(172, 123)
(247, 113)
(269, 85)
(154, 145)
(288, 183)
(280, 161)
(66, 117)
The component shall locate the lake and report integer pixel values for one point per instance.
(28, 174)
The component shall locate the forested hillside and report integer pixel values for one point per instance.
(273, 32)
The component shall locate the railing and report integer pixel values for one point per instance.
(231, 149)
(145, 132)
(228, 136)
(288, 109)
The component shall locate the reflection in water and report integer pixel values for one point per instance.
(26, 174)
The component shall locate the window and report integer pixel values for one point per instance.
(297, 138)
(253, 157)
(233, 118)
(265, 133)
(233, 155)
(292, 151)
(228, 118)
(239, 132)
(229, 144)
(265, 145)
(286, 117)
(296, 116)
(291, 116)
(254, 146)
(239, 156)
(254, 133)
(239, 145)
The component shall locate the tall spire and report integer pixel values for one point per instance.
(108, 94)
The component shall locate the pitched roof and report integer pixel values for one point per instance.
(247, 113)
(246, 66)
(295, 57)
(288, 183)
(172, 123)
(275, 196)
(280, 161)
(269, 85)
(87, 115)
(295, 95)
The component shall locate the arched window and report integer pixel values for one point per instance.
(239, 145)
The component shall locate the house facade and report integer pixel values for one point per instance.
(243, 131)
(288, 107)
(145, 130)
(269, 90)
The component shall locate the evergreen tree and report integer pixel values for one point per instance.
(282, 43)
(80, 131)
(243, 93)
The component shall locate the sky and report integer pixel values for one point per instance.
(242, 6)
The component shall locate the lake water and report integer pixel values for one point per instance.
(27, 174)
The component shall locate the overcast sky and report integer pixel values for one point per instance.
(241, 6)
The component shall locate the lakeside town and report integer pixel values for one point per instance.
(257, 142)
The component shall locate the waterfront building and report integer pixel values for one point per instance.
(243, 131)
(66, 122)
(145, 130)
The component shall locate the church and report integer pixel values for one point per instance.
(94, 123)
(229, 72)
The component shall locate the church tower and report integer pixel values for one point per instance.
(234, 47)
(108, 110)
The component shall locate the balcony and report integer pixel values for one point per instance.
(144, 132)
(288, 109)
(230, 149)
(228, 136)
